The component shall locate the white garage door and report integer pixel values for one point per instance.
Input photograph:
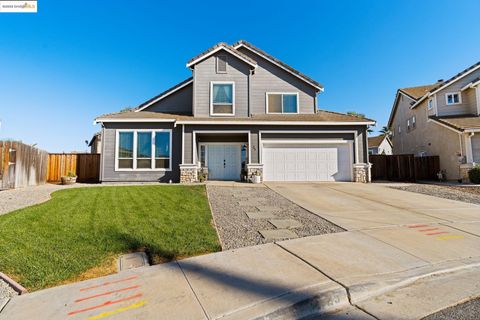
(312, 162)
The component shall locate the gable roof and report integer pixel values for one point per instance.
(286, 67)
(164, 94)
(419, 91)
(376, 140)
(221, 46)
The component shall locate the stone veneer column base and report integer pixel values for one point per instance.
(188, 173)
(464, 168)
(362, 172)
(254, 169)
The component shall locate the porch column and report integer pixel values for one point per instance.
(468, 147)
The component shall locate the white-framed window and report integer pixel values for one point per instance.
(430, 104)
(453, 98)
(399, 129)
(408, 124)
(414, 122)
(222, 98)
(282, 102)
(221, 63)
(143, 150)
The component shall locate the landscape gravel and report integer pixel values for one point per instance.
(237, 230)
(465, 194)
(6, 291)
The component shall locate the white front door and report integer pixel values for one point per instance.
(224, 161)
(313, 162)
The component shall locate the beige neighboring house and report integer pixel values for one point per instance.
(379, 145)
(95, 143)
(440, 119)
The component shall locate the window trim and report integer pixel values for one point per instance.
(452, 93)
(414, 122)
(216, 63)
(430, 104)
(408, 125)
(233, 99)
(282, 93)
(135, 131)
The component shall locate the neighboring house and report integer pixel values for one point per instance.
(379, 145)
(95, 143)
(440, 119)
(242, 113)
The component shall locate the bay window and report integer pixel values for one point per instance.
(282, 102)
(143, 150)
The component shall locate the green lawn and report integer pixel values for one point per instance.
(79, 232)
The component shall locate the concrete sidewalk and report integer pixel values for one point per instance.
(290, 279)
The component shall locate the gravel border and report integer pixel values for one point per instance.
(445, 192)
(6, 291)
(236, 230)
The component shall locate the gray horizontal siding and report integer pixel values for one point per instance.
(270, 78)
(468, 105)
(205, 72)
(177, 102)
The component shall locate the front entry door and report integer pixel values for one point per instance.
(224, 161)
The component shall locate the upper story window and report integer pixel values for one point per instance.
(453, 98)
(430, 104)
(282, 102)
(408, 125)
(222, 98)
(414, 121)
(221, 64)
(399, 129)
(143, 150)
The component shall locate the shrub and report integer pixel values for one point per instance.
(474, 174)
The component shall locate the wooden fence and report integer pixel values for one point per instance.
(85, 165)
(405, 167)
(21, 165)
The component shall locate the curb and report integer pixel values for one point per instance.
(12, 283)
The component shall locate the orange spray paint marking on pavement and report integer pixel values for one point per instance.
(435, 233)
(109, 283)
(431, 229)
(419, 226)
(111, 313)
(107, 293)
(108, 303)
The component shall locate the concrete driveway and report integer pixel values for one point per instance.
(365, 206)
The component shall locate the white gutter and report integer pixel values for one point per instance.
(322, 123)
(101, 120)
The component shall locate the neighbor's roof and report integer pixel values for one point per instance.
(221, 46)
(251, 47)
(418, 92)
(461, 123)
(376, 141)
(146, 116)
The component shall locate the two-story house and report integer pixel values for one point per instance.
(242, 113)
(440, 119)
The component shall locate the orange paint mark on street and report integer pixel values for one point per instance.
(107, 293)
(109, 283)
(435, 233)
(108, 303)
(431, 229)
(419, 226)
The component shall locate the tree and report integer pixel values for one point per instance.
(360, 115)
(386, 131)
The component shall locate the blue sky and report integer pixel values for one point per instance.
(75, 60)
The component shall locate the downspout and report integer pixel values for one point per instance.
(249, 80)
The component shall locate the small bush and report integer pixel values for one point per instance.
(474, 174)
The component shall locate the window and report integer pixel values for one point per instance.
(408, 125)
(143, 150)
(222, 97)
(221, 64)
(282, 102)
(399, 129)
(414, 122)
(430, 104)
(453, 98)
(125, 150)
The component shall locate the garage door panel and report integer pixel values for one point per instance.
(307, 162)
